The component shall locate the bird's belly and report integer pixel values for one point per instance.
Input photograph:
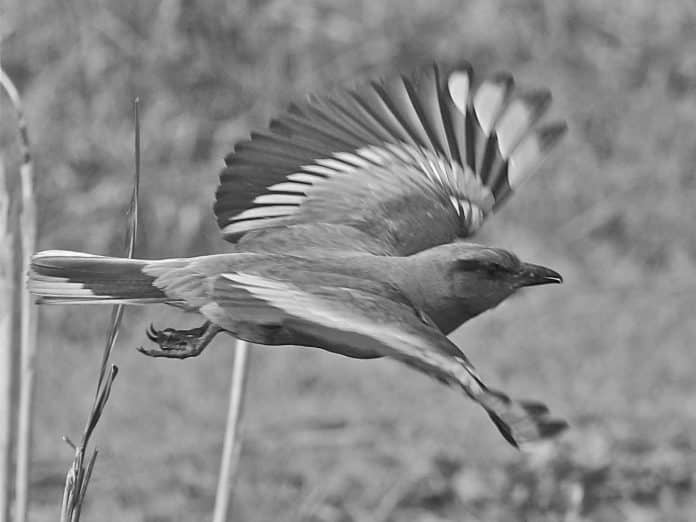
(277, 335)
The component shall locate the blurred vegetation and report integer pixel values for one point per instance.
(338, 440)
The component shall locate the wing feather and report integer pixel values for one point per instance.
(426, 156)
(346, 319)
(425, 90)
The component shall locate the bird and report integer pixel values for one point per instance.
(350, 219)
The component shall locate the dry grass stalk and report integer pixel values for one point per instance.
(77, 478)
(27, 224)
(232, 445)
(6, 351)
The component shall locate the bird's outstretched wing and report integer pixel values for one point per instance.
(410, 161)
(359, 319)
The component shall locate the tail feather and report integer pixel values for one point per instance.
(64, 277)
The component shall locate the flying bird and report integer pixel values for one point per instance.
(348, 219)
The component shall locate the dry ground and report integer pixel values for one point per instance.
(327, 438)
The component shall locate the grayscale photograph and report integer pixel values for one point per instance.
(372, 261)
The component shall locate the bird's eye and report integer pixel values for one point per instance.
(490, 269)
(494, 269)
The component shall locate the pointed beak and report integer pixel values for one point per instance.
(532, 275)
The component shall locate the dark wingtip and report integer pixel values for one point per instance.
(552, 428)
(503, 78)
(525, 422)
(534, 407)
(552, 133)
(461, 66)
(504, 429)
(229, 158)
(538, 99)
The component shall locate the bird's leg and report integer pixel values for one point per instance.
(180, 344)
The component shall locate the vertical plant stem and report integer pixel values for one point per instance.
(27, 223)
(78, 476)
(232, 446)
(27, 349)
(6, 349)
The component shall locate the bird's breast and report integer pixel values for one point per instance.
(449, 314)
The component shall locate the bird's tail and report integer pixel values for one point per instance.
(520, 422)
(59, 276)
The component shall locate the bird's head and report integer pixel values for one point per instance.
(483, 276)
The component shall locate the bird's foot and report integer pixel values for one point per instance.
(180, 344)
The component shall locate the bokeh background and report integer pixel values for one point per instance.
(328, 438)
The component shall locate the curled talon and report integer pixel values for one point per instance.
(179, 344)
(152, 333)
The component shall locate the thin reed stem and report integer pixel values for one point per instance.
(232, 446)
(27, 224)
(78, 476)
(7, 351)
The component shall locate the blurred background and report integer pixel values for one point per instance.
(337, 440)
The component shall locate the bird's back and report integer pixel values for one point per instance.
(424, 280)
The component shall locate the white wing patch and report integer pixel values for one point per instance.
(332, 166)
(470, 199)
(526, 156)
(512, 126)
(376, 155)
(459, 84)
(393, 341)
(324, 170)
(490, 100)
(302, 177)
(246, 226)
(288, 187)
(267, 211)
(283, 296)
(278, 199)
(354, 159)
